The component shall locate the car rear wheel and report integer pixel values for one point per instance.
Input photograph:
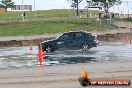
(85, 47)
(49, 49)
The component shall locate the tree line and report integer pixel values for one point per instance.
(106, 4)
(6, 4)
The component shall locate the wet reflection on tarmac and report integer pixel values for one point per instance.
(106, 51)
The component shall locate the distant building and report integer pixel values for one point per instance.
(2, 9)
(21, 8)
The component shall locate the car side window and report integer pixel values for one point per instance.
(79, 35)
(88, 34)
(66, 36)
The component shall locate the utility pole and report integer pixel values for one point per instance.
(35, 8)
(128, 13)
(128, 8)
(23, 13)
(77, 8)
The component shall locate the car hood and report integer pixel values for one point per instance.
(48, 41)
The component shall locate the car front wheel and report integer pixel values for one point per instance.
(85, 47)
(49, 49)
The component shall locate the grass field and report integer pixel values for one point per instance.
(31, 14)
(53, 21)
(127, 19)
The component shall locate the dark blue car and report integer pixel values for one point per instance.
(71, 40)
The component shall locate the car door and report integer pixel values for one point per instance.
(66, 41)
(80, 39)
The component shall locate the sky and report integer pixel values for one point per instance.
(62, 4)
(43, 4)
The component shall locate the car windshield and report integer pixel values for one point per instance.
(58, 36)
(66, 36)
(79, 35)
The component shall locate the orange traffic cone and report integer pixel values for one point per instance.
(40, 55)
(130, 41)
(84, 74)
(127, 39)
(31, 48)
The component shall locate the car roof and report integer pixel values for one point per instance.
(72, 32)
(77, 32)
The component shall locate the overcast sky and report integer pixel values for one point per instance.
(43, 4)
(61, 4)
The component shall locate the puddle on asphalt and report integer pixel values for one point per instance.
(106, 51)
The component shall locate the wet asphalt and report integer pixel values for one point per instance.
(107, 51)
